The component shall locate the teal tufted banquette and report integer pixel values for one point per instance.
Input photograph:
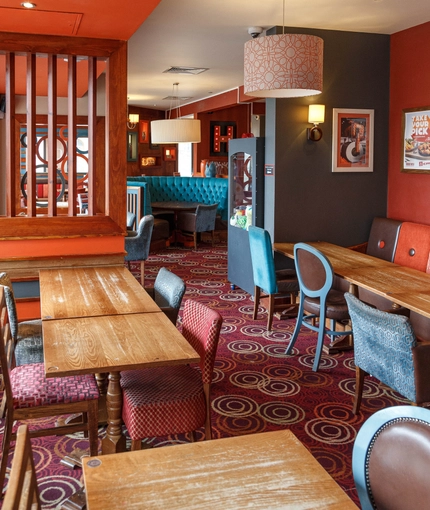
(207, 190)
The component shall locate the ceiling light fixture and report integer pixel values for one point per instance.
(283, 65)
(175, 130)
(28, 5)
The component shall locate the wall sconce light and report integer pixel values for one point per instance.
(315, 116)
(133, 119)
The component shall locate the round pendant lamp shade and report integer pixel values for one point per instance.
(283, 65)
(175, 131)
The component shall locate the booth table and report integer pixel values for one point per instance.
(107, 342)
(267, 470)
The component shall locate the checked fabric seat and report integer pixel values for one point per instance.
(174, 399)
(29, 395)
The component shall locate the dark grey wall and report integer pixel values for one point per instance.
(305, 201)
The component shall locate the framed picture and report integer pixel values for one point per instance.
(169, 154)
(131, 146)
(416, 140)
(143, 131)
(352, 140)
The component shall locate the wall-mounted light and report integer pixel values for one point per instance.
(133, 119)
(28, 5)
(315, 117)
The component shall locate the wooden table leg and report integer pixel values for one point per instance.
(114, 441)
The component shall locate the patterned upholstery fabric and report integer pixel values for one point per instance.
(168, 292)
(171, 399)
(202, 220)
(383, 344)
(27, 335)
(137, 243)
(30, 387)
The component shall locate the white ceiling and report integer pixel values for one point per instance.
(208, 33)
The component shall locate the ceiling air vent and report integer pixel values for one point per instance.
(185, 70)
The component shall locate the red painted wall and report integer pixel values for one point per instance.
(408, 194)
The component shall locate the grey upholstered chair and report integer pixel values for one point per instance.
(137, 244)
(26, 335)
(168, 292)
(131, 220)
(202, 220)
(385, 347)
(390, 459)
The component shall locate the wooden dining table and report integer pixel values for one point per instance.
(83, 340)
(260, 471)
(399, 284)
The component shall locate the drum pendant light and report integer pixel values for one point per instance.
(283, 65)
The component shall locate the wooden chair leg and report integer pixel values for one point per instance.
(270, 311)
(208, 422)
(136, 444)
(193, 436)
(359, 383)
(129, 265)
(213, 237)
(257, 292)
(142, 273)
(195, 240)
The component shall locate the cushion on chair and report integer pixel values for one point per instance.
(336, 307)
(31, 388)
(413, 246)
(29, 343)
(286, 280)
(154, 397)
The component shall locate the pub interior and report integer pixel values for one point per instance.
(64, 77)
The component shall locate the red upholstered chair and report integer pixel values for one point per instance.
(174, 399)
(30, 395)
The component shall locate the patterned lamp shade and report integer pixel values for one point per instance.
(175, 131)
(283, 65)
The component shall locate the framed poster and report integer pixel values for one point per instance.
(352, 140)
(416, 140)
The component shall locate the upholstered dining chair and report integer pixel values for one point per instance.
(390, 459)
(167, 292)
(26, 335)
(174, 399)
(385, 347)
(274, 284)
(22, 490)
(137, 244)
(201, 220)
(30, 395)
(319, 301)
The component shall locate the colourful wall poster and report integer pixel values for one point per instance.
(416, 140)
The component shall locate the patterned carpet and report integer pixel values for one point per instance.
(256, 388)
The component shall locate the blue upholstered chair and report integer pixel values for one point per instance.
(391, 457)
(318, 300)
(168, 292)
(137, 244)
(274, 284)
(26, 335)
(385, 347)
(201, 220)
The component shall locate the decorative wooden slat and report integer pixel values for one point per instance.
(71, 136)
(92, 125)
(31, 135)
(52, 135)
(11, 163)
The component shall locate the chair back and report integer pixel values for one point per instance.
(169, 290)
(383, 344)
(263, 264)
(131, 220)
(205, 217)
(390, 459)
(22, 491)
(201, 326)
(314, 271)
(137, 246)
(10, 303)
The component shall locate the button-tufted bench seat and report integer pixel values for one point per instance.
(206, 190)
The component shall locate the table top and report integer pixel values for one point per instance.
(267, 470)
(402, 285)
(91, 291)
(113, 343)
(175, 205)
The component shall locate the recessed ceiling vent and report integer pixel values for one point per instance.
(176, 98)
(185, 70)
